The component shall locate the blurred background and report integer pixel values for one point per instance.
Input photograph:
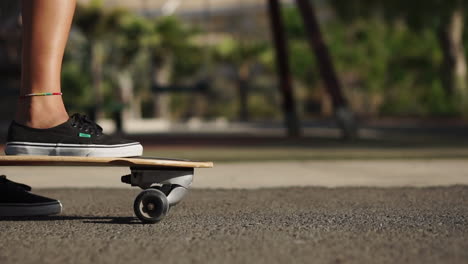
(244, 80)
(350, 97)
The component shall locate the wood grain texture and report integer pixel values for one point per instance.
(98, 161)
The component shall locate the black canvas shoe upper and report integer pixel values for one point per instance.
(13, 193)
(79, 129)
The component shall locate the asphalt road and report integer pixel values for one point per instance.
(288, 225)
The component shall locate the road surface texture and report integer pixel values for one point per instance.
(284, 225)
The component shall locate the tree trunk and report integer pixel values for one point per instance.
(162, 78)
(454, 62)
(125, 102)
(284, 75)
(135, 107)
(243, 87)
(343, 114)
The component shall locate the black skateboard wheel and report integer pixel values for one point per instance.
(151, 206)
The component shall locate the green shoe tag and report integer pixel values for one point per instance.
(84, 135)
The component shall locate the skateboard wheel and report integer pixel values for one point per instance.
(151, 206)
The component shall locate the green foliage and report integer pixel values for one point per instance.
(239, 52)
(178, 40)
(396, 60)
(418, 14)
(77, 86)
(384, 49)
(123, 42)
(415, 61)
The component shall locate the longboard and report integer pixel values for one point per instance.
(164, 181)
(99, 161)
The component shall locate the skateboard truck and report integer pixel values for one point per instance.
(162, 187)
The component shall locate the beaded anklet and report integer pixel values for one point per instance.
(39, 94)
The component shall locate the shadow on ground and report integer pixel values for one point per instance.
(86, 219)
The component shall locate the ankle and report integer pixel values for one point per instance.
(41, 111)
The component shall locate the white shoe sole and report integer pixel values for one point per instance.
(38, 209)
(48, 149)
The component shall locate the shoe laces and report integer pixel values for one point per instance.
(4, 180)
(83, 123)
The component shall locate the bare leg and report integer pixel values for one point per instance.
(46, 25)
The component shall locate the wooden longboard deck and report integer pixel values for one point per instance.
(98, 161)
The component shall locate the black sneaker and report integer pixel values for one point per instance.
(79, 136)
(16, 200)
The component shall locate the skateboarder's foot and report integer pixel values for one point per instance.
(79, 136)
(16, 200)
